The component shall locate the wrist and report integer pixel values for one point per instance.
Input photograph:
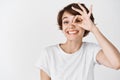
(94, 29)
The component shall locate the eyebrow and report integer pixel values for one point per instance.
(64, 18)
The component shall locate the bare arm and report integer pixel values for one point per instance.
(44, 75)
(109, 55)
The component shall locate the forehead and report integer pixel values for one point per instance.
(67, 15)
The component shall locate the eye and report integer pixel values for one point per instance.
(78, 20)
(65, 22)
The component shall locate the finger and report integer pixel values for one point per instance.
(77, 10)
(80, 25)
(77, 17)
(90, 11)
(82, 8)
(74, 19)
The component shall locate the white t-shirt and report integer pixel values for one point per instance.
(60, 65)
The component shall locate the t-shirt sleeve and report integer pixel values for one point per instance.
(97, 48)
(43, 62)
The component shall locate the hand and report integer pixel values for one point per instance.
(83, 20)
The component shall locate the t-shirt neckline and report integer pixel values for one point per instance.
(69, 54)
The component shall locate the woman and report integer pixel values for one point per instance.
(75, 59)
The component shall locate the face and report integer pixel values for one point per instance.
(71, 31)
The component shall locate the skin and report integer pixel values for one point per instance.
(44, 75)
(73, 30)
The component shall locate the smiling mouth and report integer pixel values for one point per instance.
(73, 32)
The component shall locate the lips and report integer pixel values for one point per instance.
(72, 32)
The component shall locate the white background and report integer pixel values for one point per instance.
(26, 26)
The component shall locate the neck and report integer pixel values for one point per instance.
(71, 46)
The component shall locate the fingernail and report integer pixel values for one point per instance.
(72, 7)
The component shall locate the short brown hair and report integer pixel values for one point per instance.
(73, 12)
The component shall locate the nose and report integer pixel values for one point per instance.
(72, 26)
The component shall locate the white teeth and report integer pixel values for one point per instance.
(72, 32)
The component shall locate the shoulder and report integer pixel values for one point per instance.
(90, 44)
(49, 48)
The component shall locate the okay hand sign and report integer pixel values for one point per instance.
(83, 20)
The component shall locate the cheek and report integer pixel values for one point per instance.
(64, 28)
(81, 31)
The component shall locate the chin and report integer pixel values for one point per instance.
(73, 38)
